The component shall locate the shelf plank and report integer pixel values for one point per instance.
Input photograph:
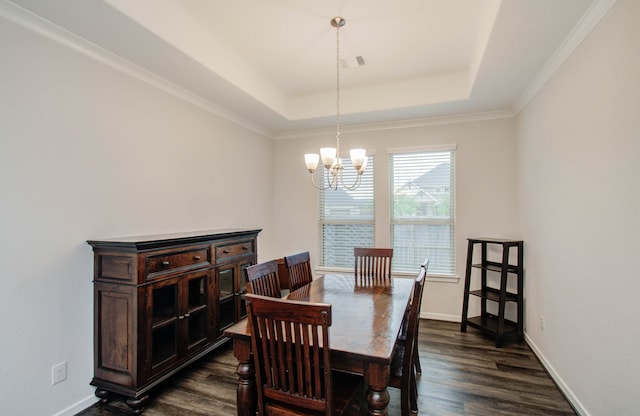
(489, 323)
(491, 240)
(493, 294)
(494, 266)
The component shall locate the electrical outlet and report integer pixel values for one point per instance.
(541, 323)
(59, 372)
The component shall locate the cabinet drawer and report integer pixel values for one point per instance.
(233, 250)
(166, 262)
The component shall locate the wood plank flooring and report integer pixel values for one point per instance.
(462, 374)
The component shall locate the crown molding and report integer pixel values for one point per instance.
(403, 124)
(597, 11)
(43, 27)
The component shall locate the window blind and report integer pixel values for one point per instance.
(422, 198)
(347, 217)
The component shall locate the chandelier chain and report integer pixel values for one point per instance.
(338, 91)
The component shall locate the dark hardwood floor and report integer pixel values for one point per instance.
(462, 374)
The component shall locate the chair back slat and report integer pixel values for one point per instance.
(373, 265)
(299, 269)
(290, 341)
(262, 279)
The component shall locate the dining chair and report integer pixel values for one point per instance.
(292, 358)
(262, 279)
(299, 269)
(373, 265)
(283, 274)
(405, 324)
(402, 375)
(416, 359)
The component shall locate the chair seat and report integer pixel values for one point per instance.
(396, 366)
(347, 392)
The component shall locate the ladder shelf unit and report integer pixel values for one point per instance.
(496, 325)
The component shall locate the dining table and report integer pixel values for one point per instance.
(366, 322)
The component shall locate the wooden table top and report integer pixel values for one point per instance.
(366, 320)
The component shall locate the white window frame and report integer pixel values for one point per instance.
(322, 221)
(433, 275)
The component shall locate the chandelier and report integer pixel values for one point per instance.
(330, 156)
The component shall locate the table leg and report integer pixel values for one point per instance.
(377, 377)
(246, 395)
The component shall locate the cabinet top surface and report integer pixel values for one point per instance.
(174, 238)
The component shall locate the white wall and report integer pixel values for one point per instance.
(486, 191)
(87, 152)
(579, 164)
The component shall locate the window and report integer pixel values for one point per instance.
(347, 218)
(422, 196)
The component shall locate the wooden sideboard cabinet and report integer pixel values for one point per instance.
(161, 302)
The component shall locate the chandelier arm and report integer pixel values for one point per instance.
(355, 185)
(313, 181)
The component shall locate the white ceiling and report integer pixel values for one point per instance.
(273, 62)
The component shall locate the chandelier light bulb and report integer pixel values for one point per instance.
(311, 160)
(328, 156)
(358, 156)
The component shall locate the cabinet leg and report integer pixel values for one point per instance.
(103, 395)
(137, 405)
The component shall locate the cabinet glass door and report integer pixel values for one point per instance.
(164, 322)
(226, 279)
(196, 315)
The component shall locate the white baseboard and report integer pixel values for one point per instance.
(78, 406)
(573, 400)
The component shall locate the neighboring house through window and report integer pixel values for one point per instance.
(347, 217)
(422, 198)
(421, 219)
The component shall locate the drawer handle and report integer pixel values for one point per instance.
(226, 251)
(197, 257)
(186, 315)
(181, 317)
(245, 247)
(165, 263)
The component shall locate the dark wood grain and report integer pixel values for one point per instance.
(367, 321)
(158, 305)
(372, 264)
(262, 279)
(463, 375)
(298, 269)
(290, 341)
